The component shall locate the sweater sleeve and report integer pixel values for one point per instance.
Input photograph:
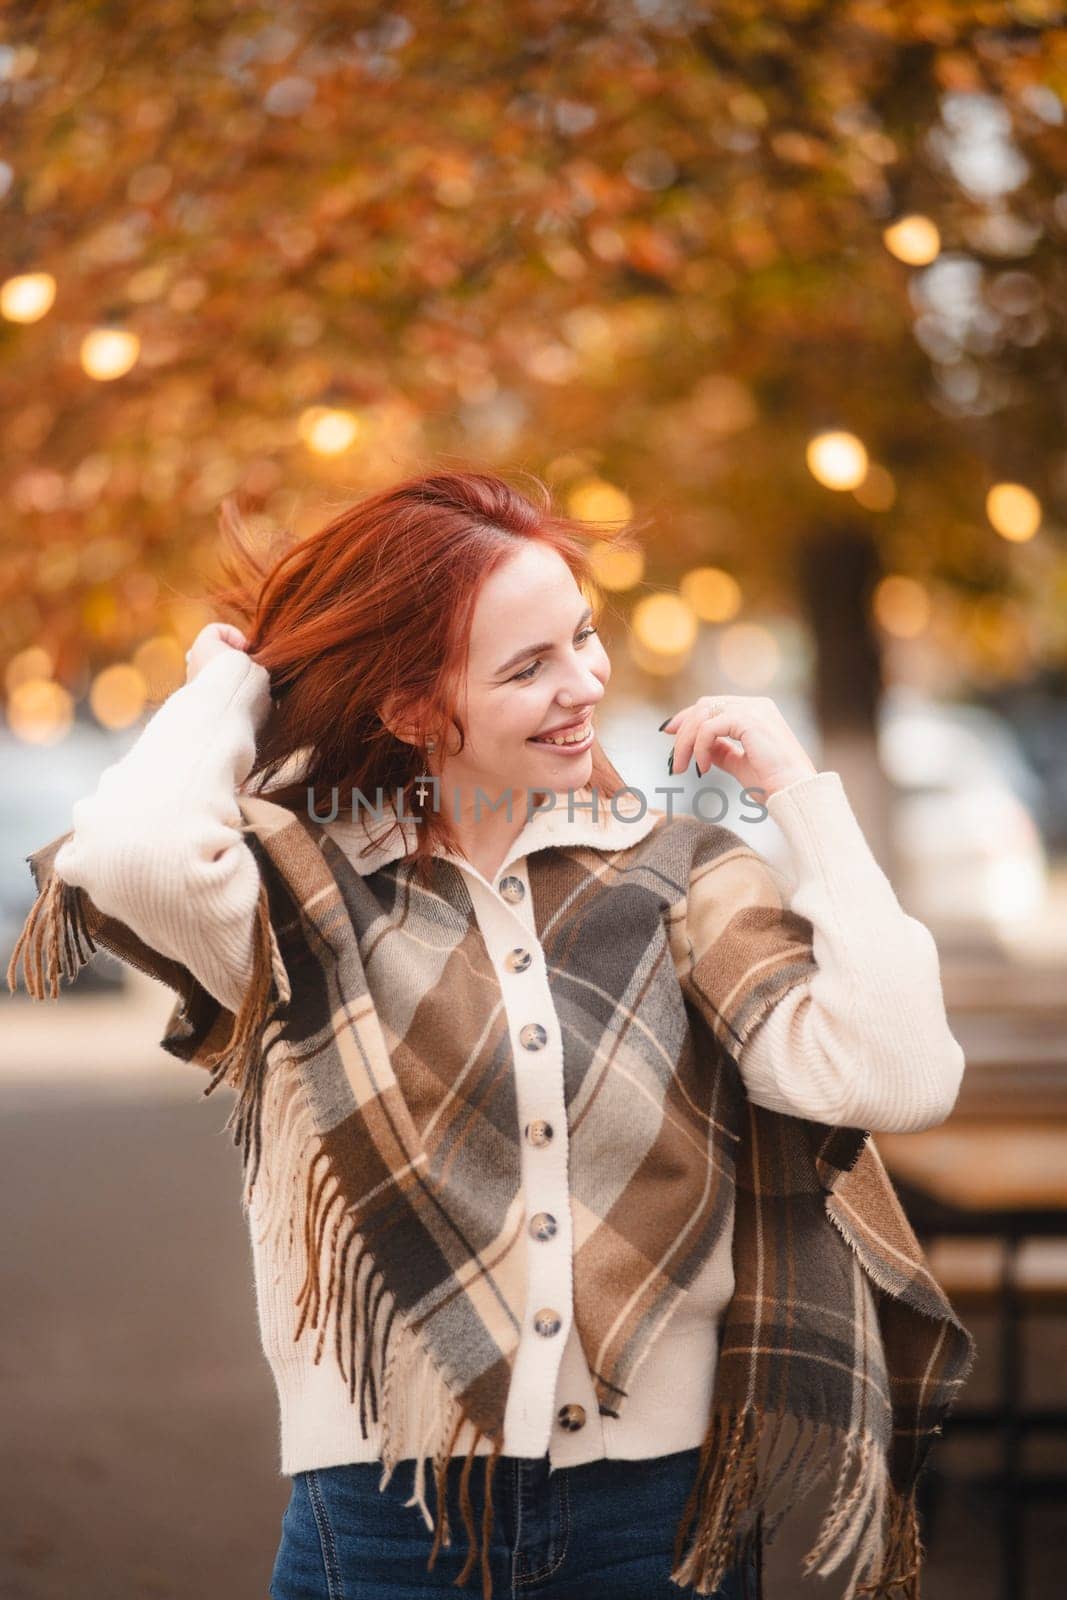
(865, 1041)
(159, 845)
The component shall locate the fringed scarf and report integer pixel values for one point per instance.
(838, 1351)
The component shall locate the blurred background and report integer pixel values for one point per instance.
(780, 287)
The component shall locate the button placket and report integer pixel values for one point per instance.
(504, 910)
(577, 1426)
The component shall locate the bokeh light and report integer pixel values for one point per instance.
(161, 663)
(714, 595)
(117, 695)
(108, 353)
(34, 662)
(1014, 510)
(594, 500)
(328, 430)
(665, 624)
(27, 297)
(616, 568)
(837, 459)
(40, 711)
(913, 239)
(901, 606)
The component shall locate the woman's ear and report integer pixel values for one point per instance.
(406, 730)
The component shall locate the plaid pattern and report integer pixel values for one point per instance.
(838, 1352)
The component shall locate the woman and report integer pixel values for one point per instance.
(555, 1106)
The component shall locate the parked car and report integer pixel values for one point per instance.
(1037, 713)
(969, 847)
(38, 787)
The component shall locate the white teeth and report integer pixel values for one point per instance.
(571, 738)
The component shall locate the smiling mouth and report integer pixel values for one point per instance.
(573, 736)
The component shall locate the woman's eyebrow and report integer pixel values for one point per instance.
(535, 649)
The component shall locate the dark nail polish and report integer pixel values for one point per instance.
(670, 763)
(663, 724)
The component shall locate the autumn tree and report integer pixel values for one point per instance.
(650, 251)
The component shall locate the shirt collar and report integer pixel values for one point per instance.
(562, 825)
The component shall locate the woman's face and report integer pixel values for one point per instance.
(535, 662)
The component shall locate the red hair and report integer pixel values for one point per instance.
(375, 610)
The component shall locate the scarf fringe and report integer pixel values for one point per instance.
(400, 1384)
(730, 1497)
(441, 1525)
(242, 1062)
(55, 940)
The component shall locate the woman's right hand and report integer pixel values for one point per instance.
(209, 642)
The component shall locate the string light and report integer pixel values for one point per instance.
(595, 500)
(714, 595)
(665, 624)
(27, 297)
(913, 239)
(40, 711)
(117, 695)
(1014, 510)
(616, 569)
(901, 606)
(327, 430)
(108, 353)
(837, 459)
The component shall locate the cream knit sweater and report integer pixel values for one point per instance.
(865, 1044)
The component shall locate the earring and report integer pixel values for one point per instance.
(431, 744)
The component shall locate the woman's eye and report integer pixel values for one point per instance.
(531, 671)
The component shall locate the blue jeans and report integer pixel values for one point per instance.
(603, 1530)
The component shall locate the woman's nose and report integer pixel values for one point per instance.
(588, 694)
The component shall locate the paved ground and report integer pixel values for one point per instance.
(141, 1450)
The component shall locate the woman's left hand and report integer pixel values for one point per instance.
(771, 755)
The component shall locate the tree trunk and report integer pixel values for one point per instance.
(838, 570)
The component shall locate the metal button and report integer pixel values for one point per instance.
(542, 1225)
(539, 1132)
(533, 1036)
(517, 960)
(512, 888)
(547, 1322)
(571, 1417)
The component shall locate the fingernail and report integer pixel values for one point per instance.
(670, 763)
(663, 724)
